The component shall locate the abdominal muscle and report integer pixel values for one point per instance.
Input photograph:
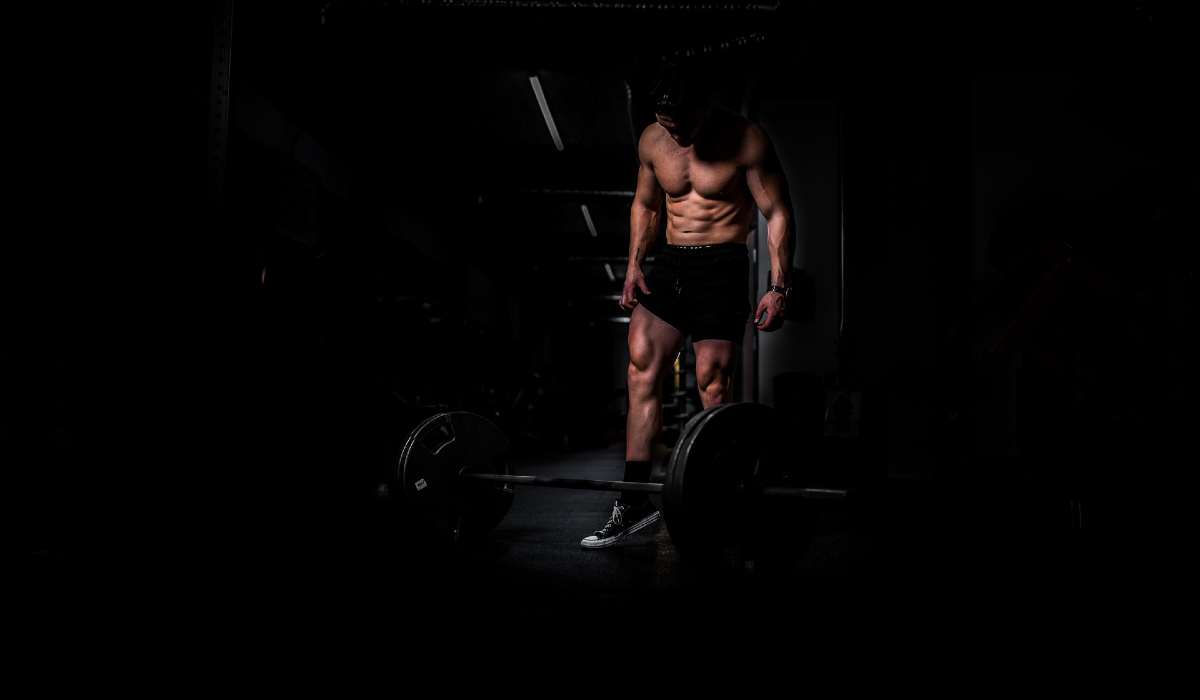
(693, 219)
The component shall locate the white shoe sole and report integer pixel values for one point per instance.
(590, 542)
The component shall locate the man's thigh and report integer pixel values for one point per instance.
(652, 341)
(714, 356)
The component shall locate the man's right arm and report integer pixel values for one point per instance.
(643, 221)
(647, 203)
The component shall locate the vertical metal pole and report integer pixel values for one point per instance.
(218, 117)
(841, 224)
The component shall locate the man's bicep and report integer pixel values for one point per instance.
(648, 192)
(769, 190)
(765, 179)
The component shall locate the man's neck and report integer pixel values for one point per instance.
(700, 130)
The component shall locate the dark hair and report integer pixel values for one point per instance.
(678, 87)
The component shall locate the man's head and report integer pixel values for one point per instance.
(680, 100)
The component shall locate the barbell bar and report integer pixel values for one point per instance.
(641, 486)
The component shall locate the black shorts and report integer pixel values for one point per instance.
(703, 291)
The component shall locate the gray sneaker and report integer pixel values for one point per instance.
(625, 520)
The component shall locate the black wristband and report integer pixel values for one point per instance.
(785, 291)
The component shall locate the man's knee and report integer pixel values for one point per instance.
(642, 378)
(715, 392)
(713, 383)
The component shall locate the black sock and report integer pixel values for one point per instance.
(636, 471)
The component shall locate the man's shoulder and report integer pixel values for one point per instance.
(650, 141)
(753, 140)
(651, 133)
(750, 131)
(732, 119)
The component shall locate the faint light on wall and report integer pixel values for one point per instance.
(587, 217)
(545, 107)
(612, 277)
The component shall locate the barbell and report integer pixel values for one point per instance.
(732, 460)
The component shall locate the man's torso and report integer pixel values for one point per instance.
(705, 184)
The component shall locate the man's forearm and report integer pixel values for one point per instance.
(643, 227)
(779, 245)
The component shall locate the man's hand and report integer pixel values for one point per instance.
(769, 314)
(633, 280)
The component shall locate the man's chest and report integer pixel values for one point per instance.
(682, 172)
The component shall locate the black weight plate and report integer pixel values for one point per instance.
(400, 419)
(710, 502)
(689, 484)
(436, 452)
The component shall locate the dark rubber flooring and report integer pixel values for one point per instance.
(900, 561)
(535, 557)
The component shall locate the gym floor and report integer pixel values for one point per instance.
(531, 569)
(909, 558)
(901, 565)
(534, 554)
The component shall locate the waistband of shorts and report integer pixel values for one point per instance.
(711, 250)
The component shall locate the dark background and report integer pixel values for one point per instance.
(995, 211)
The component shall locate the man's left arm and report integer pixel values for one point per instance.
(767, 185)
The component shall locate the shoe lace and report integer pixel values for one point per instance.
(617, 519)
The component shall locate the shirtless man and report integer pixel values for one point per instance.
(714, 168)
